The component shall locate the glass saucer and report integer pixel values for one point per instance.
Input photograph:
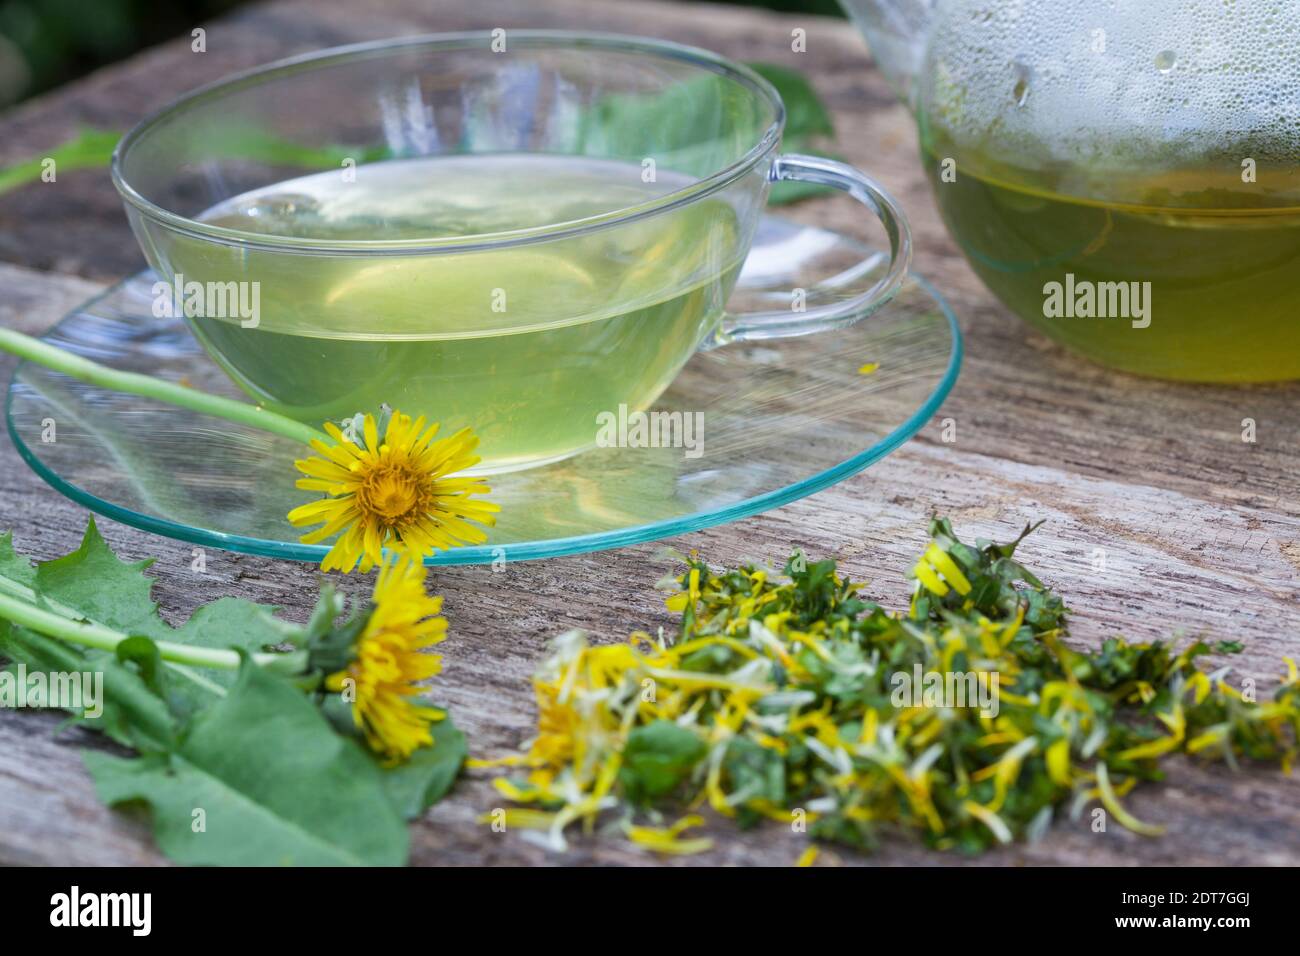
(781, 420)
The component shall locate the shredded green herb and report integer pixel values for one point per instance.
(793, 698)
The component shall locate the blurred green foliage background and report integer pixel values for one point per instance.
(44, 43)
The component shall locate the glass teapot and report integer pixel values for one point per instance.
(1123, 174)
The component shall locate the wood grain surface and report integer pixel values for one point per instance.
(1201, 531)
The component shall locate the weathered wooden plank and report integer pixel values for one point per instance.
(51, 813)
(1167, 556)
(1198, 529)
(501, 622)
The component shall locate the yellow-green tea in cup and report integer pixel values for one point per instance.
(526, 343)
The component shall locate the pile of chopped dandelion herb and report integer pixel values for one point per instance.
(777, 699)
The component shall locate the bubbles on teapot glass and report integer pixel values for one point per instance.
(1161, 83)
(1023, 82)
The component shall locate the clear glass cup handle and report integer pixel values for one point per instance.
(755, 326)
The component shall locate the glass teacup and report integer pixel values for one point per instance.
(517, 232)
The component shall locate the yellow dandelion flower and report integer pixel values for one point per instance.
(392, 493)
(937, 560)
(558, 726)
(669, 840)
(390, 659)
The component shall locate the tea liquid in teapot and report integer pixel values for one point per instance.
(1186, 277)
(1124, 175)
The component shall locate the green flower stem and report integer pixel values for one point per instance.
(89, 149)
(84, 370)
(195, 677)
(102, 638)
(28, 596)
